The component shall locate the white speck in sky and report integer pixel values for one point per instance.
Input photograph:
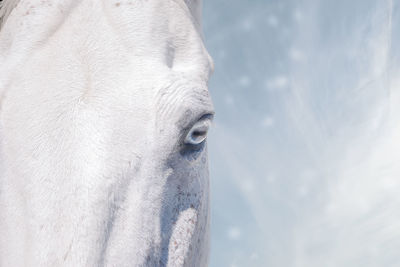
(247, 185)
(270, 178)
(254, 256)
(308, 174)
(247, 24)
(267, 122)
(245, 81)
(279, 82)
(234, 233)
(221, 54)
(298, 15)
(303, 191)
(229, 100)
(272, 21)
(296, 55)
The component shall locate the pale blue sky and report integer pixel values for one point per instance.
(305, 150)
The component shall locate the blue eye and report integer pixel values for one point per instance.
(198, 133)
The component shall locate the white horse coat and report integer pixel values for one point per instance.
(104, 112)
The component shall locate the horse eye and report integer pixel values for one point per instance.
(198, 132)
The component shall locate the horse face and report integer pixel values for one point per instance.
(108, 112)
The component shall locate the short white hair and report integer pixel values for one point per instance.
(6, 6)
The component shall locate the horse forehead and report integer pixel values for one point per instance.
(148, 13)
(144, 24)
(190, 56)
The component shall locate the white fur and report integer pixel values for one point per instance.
(96, 98)
(5, 9)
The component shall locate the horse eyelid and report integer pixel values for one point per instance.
(198, 131)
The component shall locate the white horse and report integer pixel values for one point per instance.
(104, 116)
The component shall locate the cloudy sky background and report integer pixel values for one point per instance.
(305, 150)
